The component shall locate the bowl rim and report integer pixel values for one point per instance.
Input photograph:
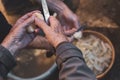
(40, 77)
(102, 36)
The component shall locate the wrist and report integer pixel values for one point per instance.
(10, 46)
(59, 42)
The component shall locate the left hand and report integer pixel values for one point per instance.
(18, 37)
(69, 21)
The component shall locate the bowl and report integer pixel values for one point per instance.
(105, 40)
(33, 64)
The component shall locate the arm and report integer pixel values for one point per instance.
(17, 39)
(69, 58)
(71, 63)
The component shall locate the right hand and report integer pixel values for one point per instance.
(54, 32)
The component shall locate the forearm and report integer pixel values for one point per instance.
(71, 64)
(10, 45)
(78, 70)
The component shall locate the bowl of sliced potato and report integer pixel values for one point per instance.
(98, 51)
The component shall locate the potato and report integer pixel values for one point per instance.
(39, 15)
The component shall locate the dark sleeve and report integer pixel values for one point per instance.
(71, 63)
(7, 61)
(4, 27)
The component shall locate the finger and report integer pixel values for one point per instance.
(70, 32)
(53, 21)
(64, 28)
(77, 24)
(23, 18)
(29, 15)
(55, 24)
(27, 22)
(41, 24)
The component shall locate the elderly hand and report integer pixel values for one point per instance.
(53, 33)
(18, 37)
(69, 21)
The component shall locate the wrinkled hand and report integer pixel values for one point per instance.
(18, 37)
(69, 21)
(54, 32)
(67, 18)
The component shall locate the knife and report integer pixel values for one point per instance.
(45, 10)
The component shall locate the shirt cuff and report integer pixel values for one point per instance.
(7, 59)
(67, 50)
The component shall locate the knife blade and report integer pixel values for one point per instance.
(45, 10)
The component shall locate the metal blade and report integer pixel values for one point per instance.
(45, 10)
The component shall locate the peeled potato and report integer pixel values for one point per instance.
(31, 29)
(39, 16)
(77, 35)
